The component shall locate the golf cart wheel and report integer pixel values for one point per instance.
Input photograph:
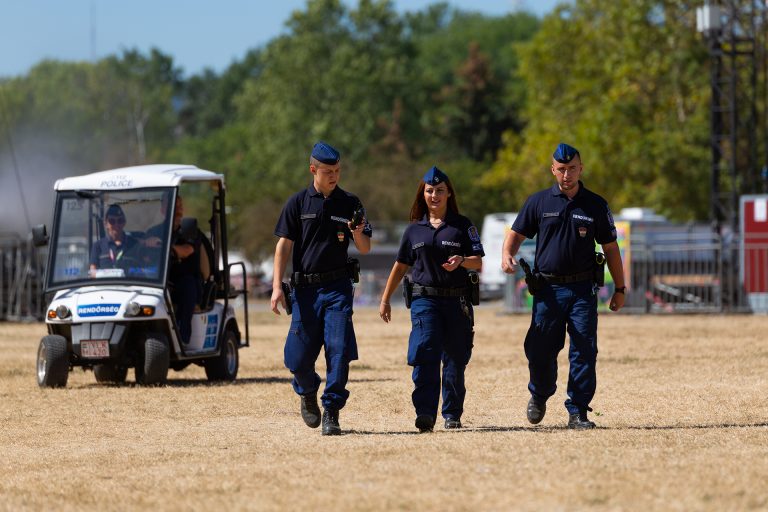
(52, 362)
(110, 372)
(153, 369)
(224, 366)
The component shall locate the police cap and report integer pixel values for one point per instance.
(325, 153)
(565, 153)
(435, 176)
(114, 210)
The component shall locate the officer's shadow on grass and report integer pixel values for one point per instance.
(557, 428)
(465, 430)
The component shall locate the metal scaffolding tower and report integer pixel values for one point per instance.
(736, 38)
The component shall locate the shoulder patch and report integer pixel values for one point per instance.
(610, 217)
(308, 215)
(473, 234)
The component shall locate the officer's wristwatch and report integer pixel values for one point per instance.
(620, 289)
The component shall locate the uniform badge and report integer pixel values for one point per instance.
(340, 236)
(473, 234)
(582, 232)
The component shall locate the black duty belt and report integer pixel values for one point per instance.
(299, 279)
(432, 291)
(573, 278)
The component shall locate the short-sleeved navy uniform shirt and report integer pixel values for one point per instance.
(567, 229)
(317, 225)
(107, 254)
(425, 249)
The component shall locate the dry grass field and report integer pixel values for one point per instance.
(681, 406)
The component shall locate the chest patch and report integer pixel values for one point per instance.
(582, 232)
(308, 216)
(551, 214)
(416, 246)
(452, 244)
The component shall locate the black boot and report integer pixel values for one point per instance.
(579, 421)
(536, 410)
(310, 411)
(331, 423)
(451, 423)
(425, 422)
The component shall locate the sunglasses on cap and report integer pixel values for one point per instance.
(116, 220)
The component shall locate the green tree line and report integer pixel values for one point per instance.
(486, 98)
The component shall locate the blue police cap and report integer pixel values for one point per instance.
(435, 176)
(565, 153)
(325, 153)
(114, 210)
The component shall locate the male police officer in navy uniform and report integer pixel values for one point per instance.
(316, 225)
(567, 220)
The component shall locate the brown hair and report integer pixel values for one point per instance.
(419, 206)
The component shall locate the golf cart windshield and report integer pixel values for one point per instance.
(120, 237)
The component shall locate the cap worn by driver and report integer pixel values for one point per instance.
(435, 176)
(565, 153)
(114, 210)
(325, 153)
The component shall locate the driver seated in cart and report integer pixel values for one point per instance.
(115, 250)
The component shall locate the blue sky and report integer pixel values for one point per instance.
(197, 33)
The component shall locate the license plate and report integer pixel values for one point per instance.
(94, 349)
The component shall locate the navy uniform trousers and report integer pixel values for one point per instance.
(322, 318)
(555, 309)
(186, 293)
(441, 332)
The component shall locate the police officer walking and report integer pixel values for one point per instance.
(567, 220)
(316, 226)
(441, 246)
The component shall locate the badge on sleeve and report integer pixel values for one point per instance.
(582, 232)
(340, 236)
(473, 234)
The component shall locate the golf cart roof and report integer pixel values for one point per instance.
(140, 176)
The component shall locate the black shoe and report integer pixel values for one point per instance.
(310, 412)
(579, 421)
(331, 423)
(536, 410)
(451, 423)
(425, 422)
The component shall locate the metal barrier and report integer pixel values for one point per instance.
(688, 273)
(21, 275)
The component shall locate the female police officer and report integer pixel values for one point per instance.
(440, 245)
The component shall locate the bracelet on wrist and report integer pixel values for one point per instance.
(384, 303)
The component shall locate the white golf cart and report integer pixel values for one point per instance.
(120, 317)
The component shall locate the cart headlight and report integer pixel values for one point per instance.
(61, 313)
(135, 309)
(132, 309)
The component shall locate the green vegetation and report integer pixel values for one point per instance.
(485, 98)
